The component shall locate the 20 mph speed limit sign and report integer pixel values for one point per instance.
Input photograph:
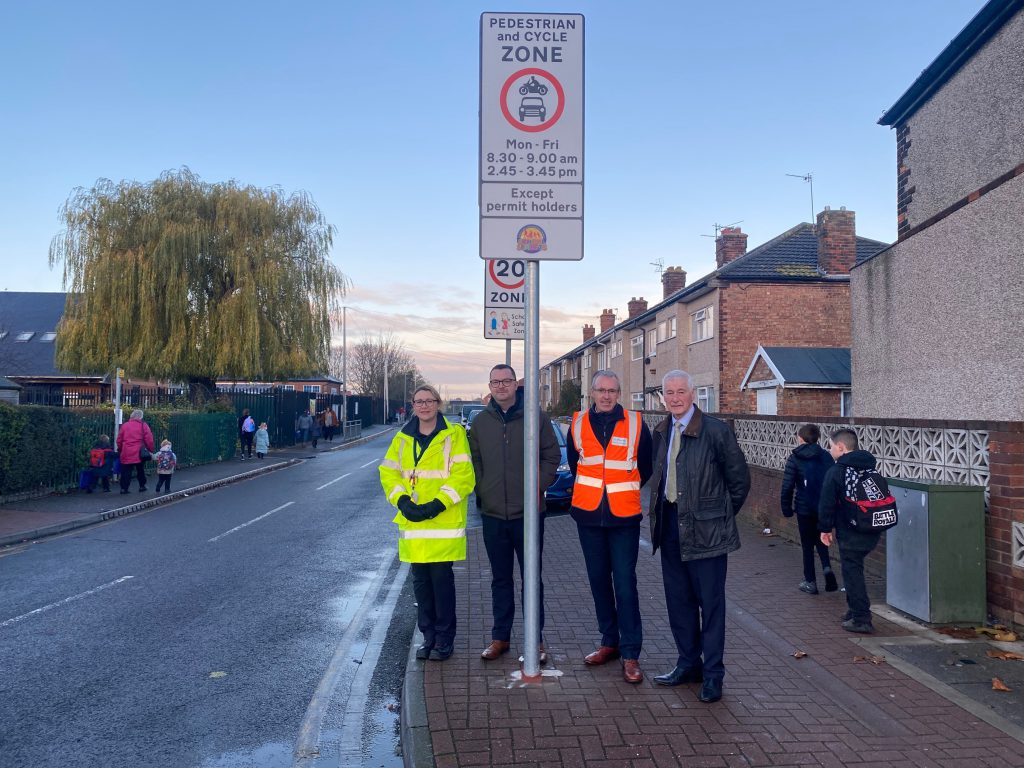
(504, 299)
(531, 136)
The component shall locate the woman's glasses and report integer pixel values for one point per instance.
(423, 403)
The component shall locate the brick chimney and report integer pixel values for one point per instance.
(607, 320)
(637, 306)
(588, 332)
(729, 245)
(837, 241)
(672, 279)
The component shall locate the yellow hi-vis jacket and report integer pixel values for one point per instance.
(444, 472)
(612, 470)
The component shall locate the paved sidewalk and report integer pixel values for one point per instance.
(832, 707)
(30, 519)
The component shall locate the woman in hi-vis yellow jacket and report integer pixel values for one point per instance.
(427, 474)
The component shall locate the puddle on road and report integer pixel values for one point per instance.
(274, 755)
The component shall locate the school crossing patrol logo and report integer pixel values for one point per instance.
(531, 239)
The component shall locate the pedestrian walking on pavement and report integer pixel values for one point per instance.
(135, 447)
(330, 424)
(496, 443)
(101, 464)
(801, 492)
(834, 510)
(303, 425)
(609, 452)
(700, 481)
(246, 432)
(427, 474)
(262, 441)
(317, 430)
(166, 463)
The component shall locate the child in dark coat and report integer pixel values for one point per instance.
(801, 492)
(101, 464)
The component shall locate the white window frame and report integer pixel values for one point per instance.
(602, 359)
(636, 347)
(702, 324)
(706, 399)
(637, 401)
(846, 402)
(312, 388)
(289, 387)
(586, 362)
(652, 342)
(617, 348)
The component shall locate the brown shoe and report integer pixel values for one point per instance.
(602, 655)
(631, 671)
(494, 650)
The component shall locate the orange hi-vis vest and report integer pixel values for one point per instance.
(610, 470)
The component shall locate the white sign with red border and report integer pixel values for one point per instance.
(504, 299)
(531, 136)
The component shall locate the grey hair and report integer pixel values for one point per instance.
(677, 374)
(137, 414)
(605, 374)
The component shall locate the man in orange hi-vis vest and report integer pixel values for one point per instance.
(609, 452)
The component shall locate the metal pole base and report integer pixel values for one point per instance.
(530, 679)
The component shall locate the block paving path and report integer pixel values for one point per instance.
(827, 708)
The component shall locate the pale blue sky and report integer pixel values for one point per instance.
(694, 114)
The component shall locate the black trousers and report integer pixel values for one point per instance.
(126, 475)
(810, 542)
(434, 587)
(247, 440)
(163, 481)
(503, 540)
(695, 597)
(854, 546)
(610, 553)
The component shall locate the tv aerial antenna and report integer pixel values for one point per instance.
(809, 178)
(720, 227)
(659, 265)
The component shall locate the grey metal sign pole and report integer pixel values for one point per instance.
(531, 490)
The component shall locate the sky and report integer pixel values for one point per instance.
(694, 115)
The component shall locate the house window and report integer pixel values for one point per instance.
(289, 387)
(638, 400)
(767, 402)
(671, 327)
(652, 342)
(702, 324)
(602, 358)
(586, 362)
(846, 403)
(617, 348)
(48, 336)
(310, 387)
(24, 336)
(636, 347)
(562, 369)
(706, 399)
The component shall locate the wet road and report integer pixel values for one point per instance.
(261, 624)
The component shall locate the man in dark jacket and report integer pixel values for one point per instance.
(801, 490)
(607, 509)
(700, 481)
(833, 512)
(496, 443)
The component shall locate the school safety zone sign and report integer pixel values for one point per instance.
(531, 136)
(504, 299)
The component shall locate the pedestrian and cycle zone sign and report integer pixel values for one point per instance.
(531, 136)
(504, 299)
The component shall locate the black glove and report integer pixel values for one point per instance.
(787, 512)
(411, 510)
(431, 509)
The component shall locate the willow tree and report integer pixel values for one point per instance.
(182, 280)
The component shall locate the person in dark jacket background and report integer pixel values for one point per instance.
(833, 512)
(616, 462)
(699, 483)
(496, 443)
(801, 491)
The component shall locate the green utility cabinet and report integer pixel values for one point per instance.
(935, 556)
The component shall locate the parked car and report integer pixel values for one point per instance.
(468, 411)
(559, 493)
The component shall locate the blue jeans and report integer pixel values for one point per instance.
(503, 540)
(611, 553)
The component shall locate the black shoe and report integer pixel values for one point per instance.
(710, 691)
(124, 490)
(142, 490)
(864, 627)
(830, 582)
(423, 652)
(88, 490)
(680, 675)
(441, 653)
(846, 616)
(809, 587)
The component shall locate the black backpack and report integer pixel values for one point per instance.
(868, 493)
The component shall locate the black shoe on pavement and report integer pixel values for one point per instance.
(124, 490)
(830, 582)
(423, 652)
(680, 675)
(809, 587)
(710, 691)
(864, 627)
(441, 653)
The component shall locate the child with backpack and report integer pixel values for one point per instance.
(101, 464)
(856, 502)
(166, 462)
(801, 492)
(262, 441)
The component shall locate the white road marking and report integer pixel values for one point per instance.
(65, 601)
(254, 520)
(334, 481)
(369, 463)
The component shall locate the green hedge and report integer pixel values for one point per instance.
(43, 448)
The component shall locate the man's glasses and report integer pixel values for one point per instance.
(422, 403)
(606, 391)
(502, 382)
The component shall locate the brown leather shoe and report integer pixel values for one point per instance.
(631, 671)
(494, 650)
(602, 655)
